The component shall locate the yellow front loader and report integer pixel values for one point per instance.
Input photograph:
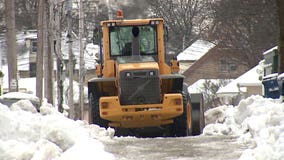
(135, 88)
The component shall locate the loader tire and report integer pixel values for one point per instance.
(197, 114)
(94, 104)
(181, 125)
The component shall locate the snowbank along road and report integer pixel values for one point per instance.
(253, 130)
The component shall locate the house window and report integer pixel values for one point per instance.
(223, 65)
(227, 65)
(34, 46)
(32, 69)
(233, 67)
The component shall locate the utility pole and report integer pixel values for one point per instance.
(40, 50)
(70, 65)
(82, 64)
(48, 67)
(45, 50)
(59, 59)
(11, 45)
(280, 4)
(48, 51)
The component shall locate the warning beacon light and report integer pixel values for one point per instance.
(119, 14)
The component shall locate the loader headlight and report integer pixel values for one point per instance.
(152, 73)
(104, 105)
(178, 101)
(154, 22)
(112, 24)
(128, 74)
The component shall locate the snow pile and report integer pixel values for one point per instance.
(19, 95)
(256, 120)
(48, 135)
(25, 105)
(76, 93)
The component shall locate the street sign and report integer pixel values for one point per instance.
(13, 84)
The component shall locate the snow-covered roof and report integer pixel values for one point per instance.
(195, 51)
(31, 36)
(198, 86)
(250, 78)
(270, 50)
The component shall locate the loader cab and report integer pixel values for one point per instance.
(121, 41)
(117, 41)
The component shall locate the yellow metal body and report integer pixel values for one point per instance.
(142, 115)
(108, 69)
(136, 116)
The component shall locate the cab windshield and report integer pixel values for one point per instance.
(121, 40)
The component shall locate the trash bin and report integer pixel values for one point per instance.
(280, 80)
(271, 87)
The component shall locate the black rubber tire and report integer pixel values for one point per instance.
(181, 126)
(94, 104)
(197, 114)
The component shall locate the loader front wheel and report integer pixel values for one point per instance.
(197, 114)
(94, 104)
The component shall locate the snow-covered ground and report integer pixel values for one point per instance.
(27, 134)
(256, 120)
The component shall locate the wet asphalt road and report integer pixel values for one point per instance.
(186, 148)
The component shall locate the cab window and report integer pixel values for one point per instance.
(121, 40)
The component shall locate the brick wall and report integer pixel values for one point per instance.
(216, 64)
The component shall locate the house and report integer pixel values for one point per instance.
(244, 86)
(217, 63)
(27, 61)
(31, 44)
(251, 82)
(191, 54)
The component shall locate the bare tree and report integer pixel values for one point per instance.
(26, 14)
(2, 16)
(209, 90)
(248, 26)
(186, 19)
(280, 4)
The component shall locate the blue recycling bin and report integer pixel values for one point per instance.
(271, 87)
(280, 80)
